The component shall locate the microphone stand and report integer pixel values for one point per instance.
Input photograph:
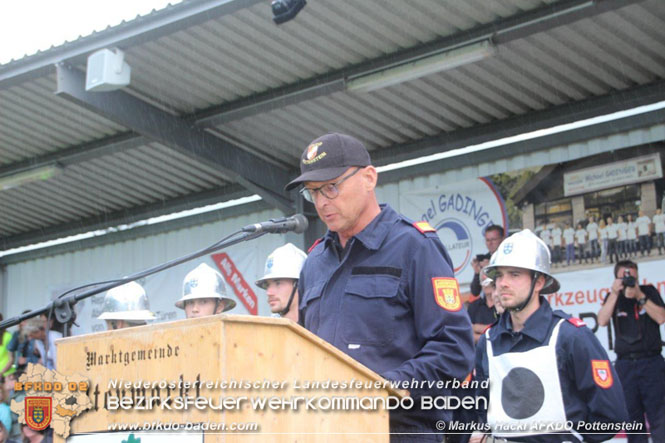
(64, 304)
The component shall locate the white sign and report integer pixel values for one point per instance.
(583, 291)
(460, 214)
(634, 170)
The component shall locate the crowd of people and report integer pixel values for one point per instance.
(381, 288)
(608, 240)
(32, 342)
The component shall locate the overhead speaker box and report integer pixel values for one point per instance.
(107, 71)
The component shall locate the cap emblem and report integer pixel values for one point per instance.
(312, 150)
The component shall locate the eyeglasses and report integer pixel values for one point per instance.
(329, 190)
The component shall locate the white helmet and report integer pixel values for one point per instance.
(204, 282)
(126, 302)
(284, 262)
(524, 250)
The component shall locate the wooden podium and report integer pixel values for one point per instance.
(226, 358)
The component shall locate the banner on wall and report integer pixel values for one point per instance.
(459, 213)
(583, 291)
(165, 288)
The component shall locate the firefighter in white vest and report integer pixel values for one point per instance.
(280, 280)
(550, 380)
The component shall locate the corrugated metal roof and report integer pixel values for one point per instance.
(268, 90)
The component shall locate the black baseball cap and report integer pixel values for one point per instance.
(328, 157)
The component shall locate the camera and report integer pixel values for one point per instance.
(628, 280)
(481, 257)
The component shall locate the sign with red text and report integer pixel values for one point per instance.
(237, 282)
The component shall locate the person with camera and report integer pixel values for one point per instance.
(493, 237)
(637, 312)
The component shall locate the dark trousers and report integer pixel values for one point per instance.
(570, 253)
(660, 240)
(612, 250)
(645, 245)
(643, 382)
(595, 249)
(556, 256)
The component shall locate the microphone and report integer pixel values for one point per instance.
(296, 223)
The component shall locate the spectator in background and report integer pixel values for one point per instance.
(643, 223)
(637, 312)
(6, 356)
(493, 237)
(659, 225)
(604, 241)
(556, 243)
(35, 329)
(481, 311)
(592, 235)
(612, 235)
(569, 238)
(22, 347)
(580, 239)
(546, 236)
(622, 232)
(631, 236)
(5, 424)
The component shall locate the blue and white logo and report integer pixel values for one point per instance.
(456, 237)
(507, 248)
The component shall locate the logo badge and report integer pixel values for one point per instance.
(312, 150)
(446, 293)
(38, 412)
(602, 374)
(507, 248)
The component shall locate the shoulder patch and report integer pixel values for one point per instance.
(602, 373)
(577, 322)
(318, 240)
(423, 227)
(446, 293)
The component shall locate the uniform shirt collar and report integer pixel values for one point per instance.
(375, 232)
(536, 326)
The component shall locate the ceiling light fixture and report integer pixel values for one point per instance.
(423, 66)
(28, 176)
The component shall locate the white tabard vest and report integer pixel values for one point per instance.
(525, 391)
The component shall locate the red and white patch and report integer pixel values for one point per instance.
(446, 293)
(312, 150)
(602, 373)
(423, 227)
(577, 322)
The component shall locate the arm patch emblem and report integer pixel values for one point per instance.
(602, 373)
(446, 293)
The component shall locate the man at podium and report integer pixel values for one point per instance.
(378, 286)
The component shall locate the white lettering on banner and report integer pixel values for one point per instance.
(460, 215)
(582, 293)
(237, 282)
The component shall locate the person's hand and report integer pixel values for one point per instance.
(617, 285)
(476, 266)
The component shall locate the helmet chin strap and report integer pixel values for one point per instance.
(287, 308)
(522, 305)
